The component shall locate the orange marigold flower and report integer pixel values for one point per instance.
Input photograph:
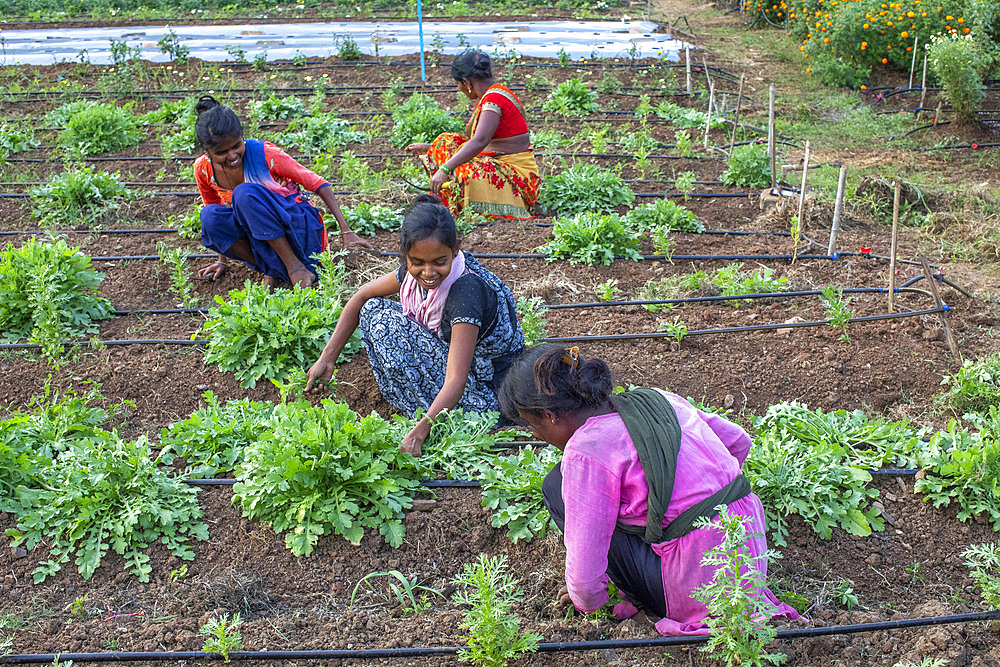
(965, 30)
(910, 14)
(808, 70)
(865, 26)
(885, 60)
(904, 34)
(864, 87)
(826, 40)
(961, 20)
(949, 18)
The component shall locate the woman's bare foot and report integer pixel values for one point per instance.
(302, 277)
(270, 282)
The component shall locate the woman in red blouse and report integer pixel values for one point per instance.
(490, 168)
(253, 209)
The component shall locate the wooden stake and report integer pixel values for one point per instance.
(923, 89)
(838, 210)
(770, 135)
(708, 77)
(913, 60)
(711, 102)
(802, 202)
(937, 115)
(736, 121)
(952, 345)
(892, 251)
(687, 65)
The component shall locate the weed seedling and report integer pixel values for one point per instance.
(77, 608)
(663, 243)
(533, 323)
(684, 182)
(837, 310)
(983, 560)
(180, 284)
(608, 290)
(403, 590)
(222, 635)
(179, 573)
(674, 329)
(844, 595)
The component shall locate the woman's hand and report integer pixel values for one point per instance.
(214, 271)
(415, 438)
(417, 148)
(350, 239)
(437, 180)
(563, 599)
(321, 371)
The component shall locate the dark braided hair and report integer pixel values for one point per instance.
(550, 377)
(215, 123)
(427, 218)
(471, 65)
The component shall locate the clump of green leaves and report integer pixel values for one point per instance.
(512, 488)
(983, 561)
(222, 635)
(534, 326)
(548, 140)
(403, 589)
(106, 493)
(748, 167)
(675, 329)
(957, 61)
(592, 238)
(101, 128)
(81, 196)
(737, 611)
(59, 117)
(733, 280)
(180, 283)
(975, 387)
(572, 98)
(664, 214)
(837, 309)
(347, 48)
(608, 290)
(16, 139)
(682, 142)
(663, 243)
(420, 119)
(212, 438)
(276, 107)
(188, 225)
(48, 294)
(320, 132)
(668, 287)
(321, 470)
(170, 45)
(585, 188)
(609, 84)
(494, 632)
(684, 182)
(367, 219)
(460, 444)
(685, 117)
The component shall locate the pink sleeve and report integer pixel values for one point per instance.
(736, 440)
(284, 168)
(592, 495)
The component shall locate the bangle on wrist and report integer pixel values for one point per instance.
(446, 169)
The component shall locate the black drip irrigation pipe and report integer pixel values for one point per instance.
(698, 195)
(526, 255)
(431, 651)
(957, 146)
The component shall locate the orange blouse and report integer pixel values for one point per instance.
(284, 169)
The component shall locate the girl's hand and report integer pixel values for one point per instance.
(214, 271)
(437, 180)
(321, 371)
(562, 597)
(417, 148)
(350, 239)
(415, 438)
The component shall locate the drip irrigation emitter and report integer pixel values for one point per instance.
(440, 651)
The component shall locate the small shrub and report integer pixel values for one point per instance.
(278, 108)
(685, 117)
(420, 119)
(367, 219)
(748, 167)
(180, 283)
(101, 128)
(572, 98)
(584, 188)
(16, 139)
(320, 132)
(957, 62)
(984, 562)
(592, 238)
(837, 310)
(222, 635)
(347, 48)
(675, 329)
(79, 197)
(975, 387)
(534, 326)
(609, 84)
(170, 45)
(663, 214)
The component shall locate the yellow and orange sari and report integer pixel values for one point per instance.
(501, 185)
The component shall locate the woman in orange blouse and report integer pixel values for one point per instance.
(491, 166)
(253, 209)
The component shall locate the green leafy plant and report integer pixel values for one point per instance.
(420, 119)
(460, 444)
(106, 493)
(48, 294)
(843, 594)
(571, 98)
(321, 470)
(585, 188)
(664, 214)
(983, 561)
(179, 573)
(401, 588)
(59, 117)
(562, 55)
(608, 290)
(494, 632)
(367, 219)
(347, 48)
(180, 283)
(682, 142)
(101, 128)
(675, 329)
(684, 182)
(78, 197)
(16, 139)
(548, 140)
(276, 107)
(222, 635)
(663, 243)
(609, 84)
(733, 280)
(592, 238)
(320, 132)
(512, 488)
(737, 613)
(188, 224)
(748, 167)
(837, 309)
(926, 662)
(534, 326)
(668, 287)
(170, 45)
(685, 117)
(975, 387)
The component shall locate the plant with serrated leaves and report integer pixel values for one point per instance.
(608, 290)
(633, 142)
(420, 119)
(174, 141)
(16, 139)
(844, 595)
(367, 219)
(170, 45)
(592, 238)
(562, 55)
(733, 280)
(738, 614)
(107, 493)
(102, 128)
(59, 117)
(78, 197)
(609, 84)
(664, 214)
(682, 142)
(222, 635)
(212, 439)
(494, 632)
(320, 132)
(926, 662)
(974, 387)
(347, 48)
(323, 470)
(663, 243)
(964, 468)
(177, 112)
(262, 333)
(684, 182)
(585, 188)
(983, 561)
(180, 283)
(188, 225)
(748, 167)
(685, 117)
(534, 325)
(572, 98)
(460, 444)
(548, 140)
(837, 310)
(469, 219)
(276, 107)
(48, 293)
(675, 329)
(512, 488)
(644, 109)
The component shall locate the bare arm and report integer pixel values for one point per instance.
(347, 235)
(485, 129)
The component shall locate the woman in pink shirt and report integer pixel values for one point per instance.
(600, 496)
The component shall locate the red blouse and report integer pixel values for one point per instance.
(502, 101)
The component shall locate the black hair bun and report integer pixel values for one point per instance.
(205, 102)
(427, 199)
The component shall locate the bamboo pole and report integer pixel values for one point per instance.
(711, 101)
(802, 202)
(937, 115)
(770, 135)
(892, 251)
(913, 60)
(687, 66)
(736, 121)
(923, 90)
(838, 210)
(708, 77)
(949, 338)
